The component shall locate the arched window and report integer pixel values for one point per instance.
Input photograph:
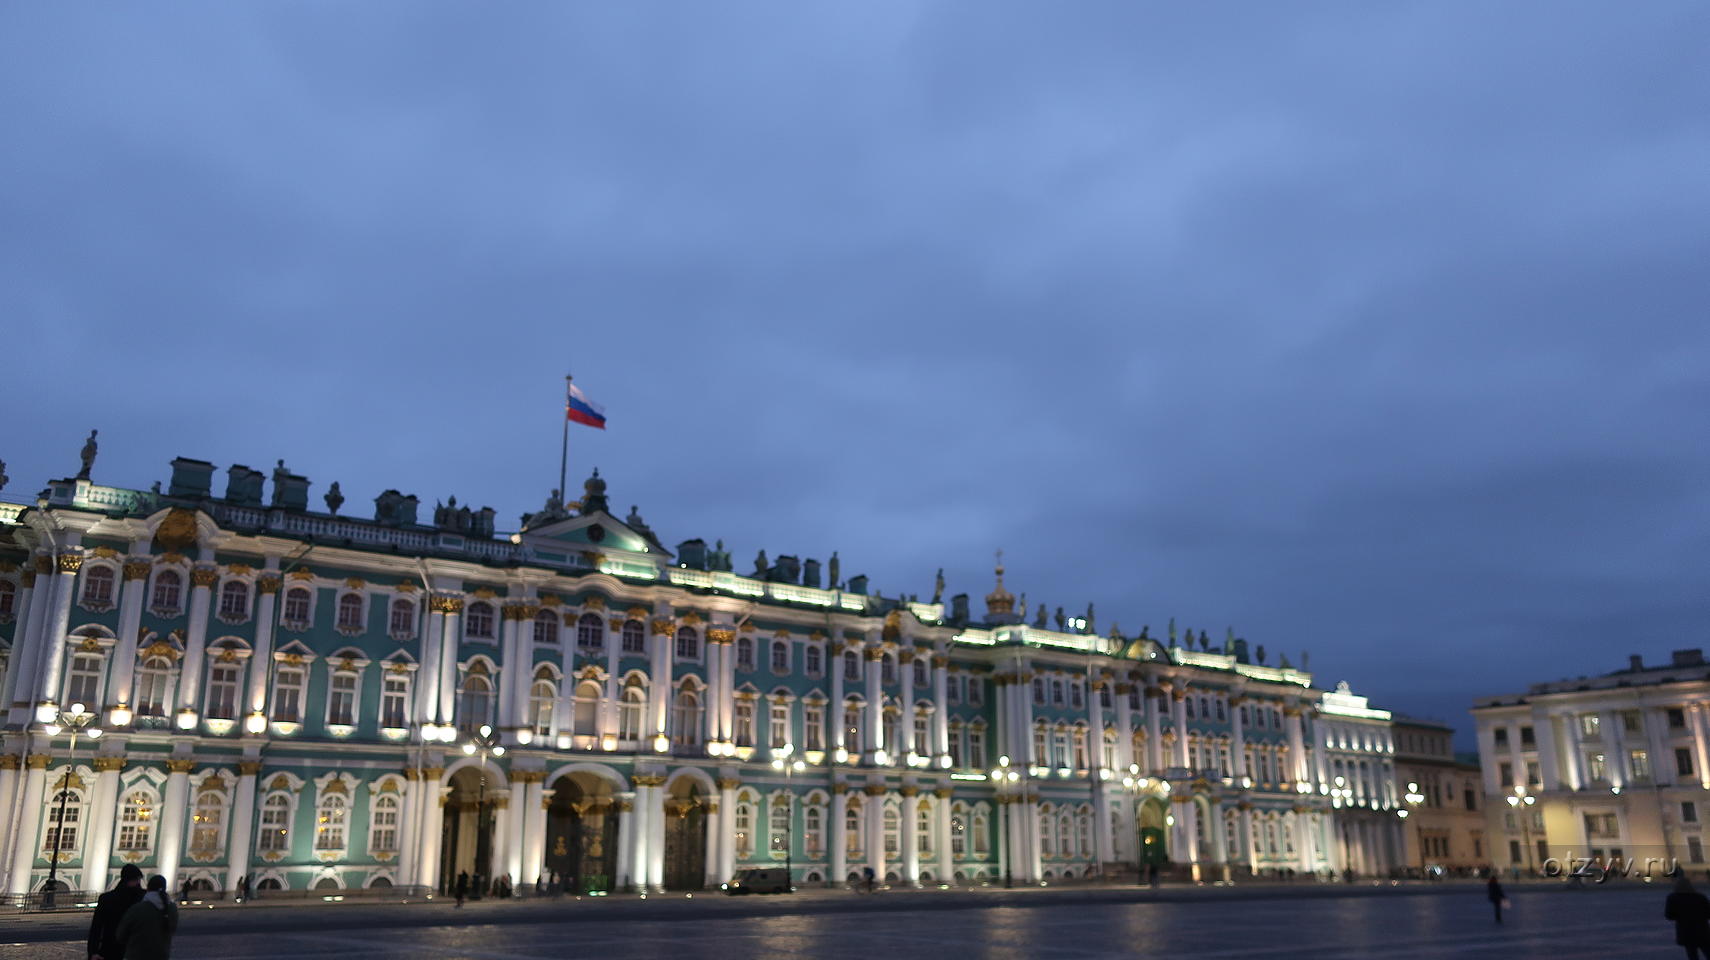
(330, 822)
(634, 637)
(168, 591)
(743, 723)
(478, 620)
(744, 827)
(813, 725)
(1047, 834)
(780, 825)
(1041, 745)
(852, 830)
(64, 816)
(270, 883)
(136, 822)
(295, 610)
(546, 627)
(154, 686)
(541, 700)
(852, 726)
(688, 644)
(1080, 748)
(744, 652)
(813, 830)
(586, 708)
(205, 820)
(920, 671)
(476, 699)
(383, 824)
(590, 632)
(813, 660)
(851, 666)
(686, 717)
(1066, 833)
(780, 656)
(83, 680)
(958, 832)
(350, 613)
(982, 833)
(341, 698)
(98, 586)
(234, 601)
(923, 828)
(222, 691)
(922, 723)
(402, 622)
(629, 713)
(778, 725)
(891, 823)
(1057, 692)
(888, 669)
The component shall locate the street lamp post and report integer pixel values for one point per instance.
(789, 768)
(1518, 799)
(1002, 775)
(1414, 798)
(484, 743)
(77, 720)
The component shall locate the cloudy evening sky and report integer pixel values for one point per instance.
(1376, 329)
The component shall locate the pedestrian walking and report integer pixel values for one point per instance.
(462, 886)
(1690, 911)
(243, 887)
(110, 909)
(1493, 891)
(872, 880)
(147, 927)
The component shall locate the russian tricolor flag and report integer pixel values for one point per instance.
(580, 409)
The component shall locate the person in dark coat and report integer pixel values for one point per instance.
(1493, 890)
(103, 944)
(1690, 911)
(147, 927)
(462, 886)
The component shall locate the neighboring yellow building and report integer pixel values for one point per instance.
(1444, 797)
(1611, 769)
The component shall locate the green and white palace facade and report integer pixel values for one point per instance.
(298, 697)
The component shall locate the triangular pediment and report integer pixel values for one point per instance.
(594, 531)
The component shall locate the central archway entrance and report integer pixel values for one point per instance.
(581, 834)
(686, 804)
(1153, 824)
(466, 839)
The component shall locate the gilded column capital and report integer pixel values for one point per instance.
(626, 806)
(721, 635)
(840, 788)
(204, 576)
(1098, 683)
(442, 603)
(500, 801)
(711, 806)
(9, 761)
(942, 793)
(527, 611)
(137, 569)
(908, 790)
(873, 654)
(69, 562)
(38, 761)
(27, 579)
(411, 774)
(940, 660)
(109, 764)
(647, 780)
(905, 656)
(1291, 711)
(432, 773)
(180, 765)
(267, 584)
(1177, 693)
(874, 789)
(728, 783)
(663, 627)
(248, 768)
(1124, 689)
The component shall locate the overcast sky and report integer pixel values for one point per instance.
(1378, 330)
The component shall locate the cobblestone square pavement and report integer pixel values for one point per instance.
(1555, 925)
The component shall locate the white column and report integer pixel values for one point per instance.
(518, 830)
(1662, 754)
(98, 840)
(1237, 738)
(511, 671)
(1544, 725)
(905, 729)
(656, 840)
(1178, 720)
(625, 811)
(727, 839)
(1154, 703)
(1244, 823)
(875, 714)
(534, 827)
(15, 692)
(27, 820)
(839, 733)
(1124, 727)
(243, 824)
(1006, 842)
(910, 835)
(450, 641)
(1095, 727)
(874, 808)
(196, 639)
(124, 660)
(1296, 745)
(169, 848)
(1700, 742)
(57, 624)
(427, 675)
(433, 826)
(837, 841)
(941, 845)
(9, 784)
(658, 692)
(1615, 758)
(713, 718)
(261, 661)
(941, 715)
(1104, 845)
(1030, 837)
(715, 831)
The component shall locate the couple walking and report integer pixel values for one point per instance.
(131, 923)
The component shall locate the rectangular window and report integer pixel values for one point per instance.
(1534, 778)
(222, 691)
(851, 667)
(956, 758)
(1639, 761)
(1501, 736)
(745, 723)
(811, 661)
(1676, 718)
(953, 689)
(780, 725)
(780, 656)
(1527, 738)
(813, 721)
(976, 692)
(1590, 725)
(394, 700)
(1694, 849)
(1601, 825)
(1597, 766)
(288, 694)
(341, 699)
(1505, 774)
(1632, 721)
(976, 748)
(1688, 811)
(1683, 761)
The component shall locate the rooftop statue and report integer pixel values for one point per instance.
(834, 568)
(938, 587)
(761, 566)
(88, 455)
(3, 477)
(334, 498)
(1039, 621)
(1059, 619)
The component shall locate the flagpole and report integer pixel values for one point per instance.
(564, 451)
